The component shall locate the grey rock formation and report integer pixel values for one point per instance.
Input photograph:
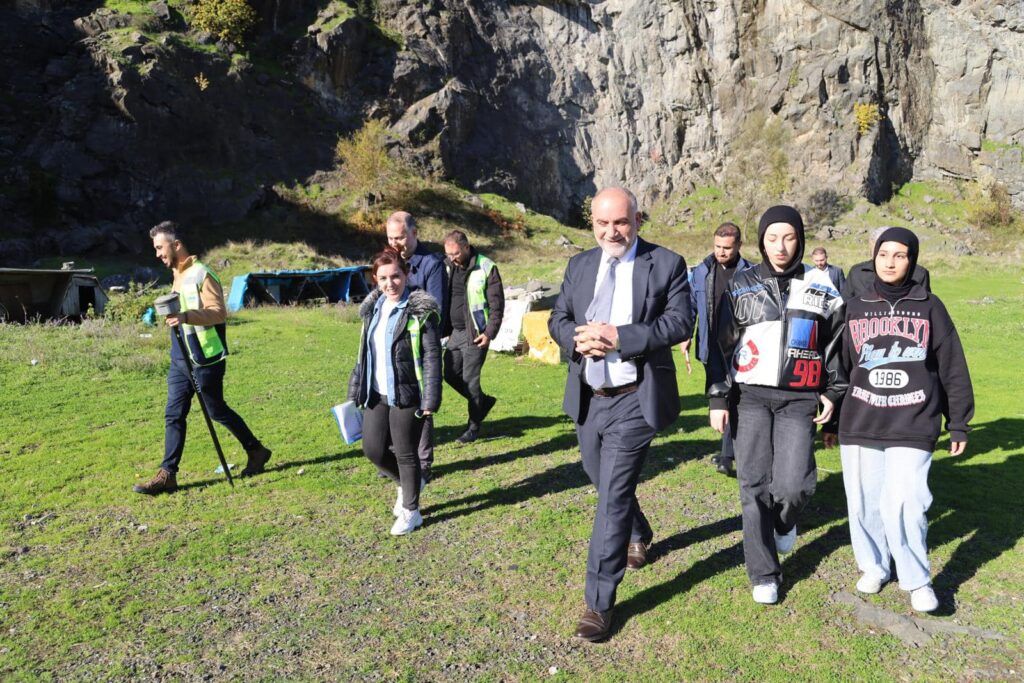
(548, 100)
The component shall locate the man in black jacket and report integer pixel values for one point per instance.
(475, 305)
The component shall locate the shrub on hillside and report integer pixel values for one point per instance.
(229, 20)
(824, 207)
(366, 167)
(991, 206)
(758, 171)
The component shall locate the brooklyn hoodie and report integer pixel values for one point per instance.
(907, 369)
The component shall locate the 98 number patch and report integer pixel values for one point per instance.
(807, 373)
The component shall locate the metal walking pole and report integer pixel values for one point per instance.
(165, 306)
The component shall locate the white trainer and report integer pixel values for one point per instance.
(407, 521)
(871, 583)
(923, 599)
(397, 509)
(766, 593)
(784, 544)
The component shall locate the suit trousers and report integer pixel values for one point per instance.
(179, 401)
(614, 439)
(463, 361)
(775, 468)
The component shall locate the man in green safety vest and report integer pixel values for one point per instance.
(202, 321)
(475, 304)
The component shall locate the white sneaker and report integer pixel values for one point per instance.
(923, 599)
(766, 593)
(397, 509)
(871, 583)
(784, 544)
(407, 521)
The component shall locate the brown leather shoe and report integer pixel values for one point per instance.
(258, 457)
(163, 482)
(636, 555)
(594, 626)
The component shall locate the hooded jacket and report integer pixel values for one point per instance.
(779, 330)
(905, 362)
(419, 308)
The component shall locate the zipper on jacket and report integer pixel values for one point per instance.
(782, 342)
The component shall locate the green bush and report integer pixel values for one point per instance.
(991, 207)
(366, 168)
(758, 173)
(229, 20)
(824, 207)
(130, 305)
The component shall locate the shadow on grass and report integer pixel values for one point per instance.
(494, 430)
(825, 508)
(983, 506)
(555, 480)
(321, 460)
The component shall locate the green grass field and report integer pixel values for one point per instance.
(292, 575)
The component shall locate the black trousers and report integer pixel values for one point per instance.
(384, 425)
(179, 401)
(775, 468)
(613, 443)
(463, 361)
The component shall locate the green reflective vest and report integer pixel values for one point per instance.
(476, 292)
(415, 328)
(204, 344)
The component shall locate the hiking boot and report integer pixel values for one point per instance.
(163, 482)
(258, 457)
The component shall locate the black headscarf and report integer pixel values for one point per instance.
(782, 214)
(893, 292)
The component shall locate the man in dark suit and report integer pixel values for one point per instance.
(622, 308)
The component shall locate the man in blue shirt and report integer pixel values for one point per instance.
(426, 272)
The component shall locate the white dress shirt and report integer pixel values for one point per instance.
(617, 371)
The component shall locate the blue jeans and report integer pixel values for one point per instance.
(179, 402)
(887, 497)
(775, 468)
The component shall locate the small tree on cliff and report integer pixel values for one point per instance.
(229, 20)
(366, 168)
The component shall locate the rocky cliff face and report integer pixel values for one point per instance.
(549, 100)
(541, 100)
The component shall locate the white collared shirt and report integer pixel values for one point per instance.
(618, 371)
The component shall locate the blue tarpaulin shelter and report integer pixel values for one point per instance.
(292, 286)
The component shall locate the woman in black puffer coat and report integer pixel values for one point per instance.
(397, 380)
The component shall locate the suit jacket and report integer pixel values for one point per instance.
(662, 317)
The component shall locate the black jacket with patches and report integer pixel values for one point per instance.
(425, 308)
(907, 368)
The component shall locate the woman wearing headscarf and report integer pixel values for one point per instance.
(397, 380)
(907, 369)
(778, 333)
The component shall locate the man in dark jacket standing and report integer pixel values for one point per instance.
(622, 307)
(861, 279)
(708, 282)
(426, 272)
(819, 257)
(475, 305)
